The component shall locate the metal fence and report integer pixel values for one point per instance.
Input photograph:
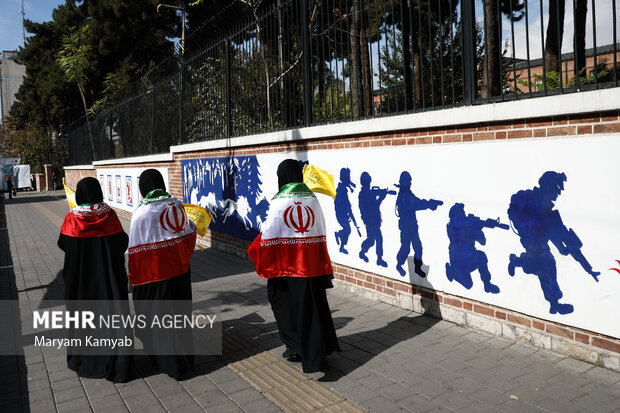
(262, 66)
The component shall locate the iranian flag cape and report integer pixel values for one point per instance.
(292, 242)
(161, 239)
(91, 221)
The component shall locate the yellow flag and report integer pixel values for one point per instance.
(199, 216)
(70, 195)
(319, 181)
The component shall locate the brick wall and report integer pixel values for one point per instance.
(584, 345)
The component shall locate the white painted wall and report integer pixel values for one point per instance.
(484, 176)
(120, 186)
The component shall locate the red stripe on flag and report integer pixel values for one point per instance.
(160, 260)
(290, 259)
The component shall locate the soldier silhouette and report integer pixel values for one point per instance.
(344, 213)
(536, 222)
(406, 206)
(370, 202)
(464, 231)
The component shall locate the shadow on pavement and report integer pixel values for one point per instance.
(13, 370)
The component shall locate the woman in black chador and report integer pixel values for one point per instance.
(298, 273)
(94, 244)
(161, 244)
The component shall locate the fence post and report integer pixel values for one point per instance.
(152, 120)
(306, 62)
(469, 51)
(181, 140)
(229, 124)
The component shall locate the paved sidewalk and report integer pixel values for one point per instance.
(392, 359)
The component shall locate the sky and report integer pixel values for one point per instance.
(11, 33)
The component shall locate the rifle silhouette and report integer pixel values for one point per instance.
(568, 243)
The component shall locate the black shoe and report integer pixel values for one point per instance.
(291, 355)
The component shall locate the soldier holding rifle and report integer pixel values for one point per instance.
(370, 199)
(464, 231)
(536, 222)
(406, 206)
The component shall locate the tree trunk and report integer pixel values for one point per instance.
(491, 76)
(407, 68)
(555, 32)
(90, 132)
(367, 80)
(581, 13)
(354, 60)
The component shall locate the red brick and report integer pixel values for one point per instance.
(402, 287)
(610, 345)
(584, 130)
(560, 331)
(452, 138)
(436, 139)
(379, 289)
(607, 128)
(498, 126)
(411, 141)
(377, 143)
(389, 284)
(500, 135)
(468, 129)
(524, 133)
(429, 295)
(609, 116)
(369, 285)
(482, 128)
(583, 338)
(519, 320)
(379, 280)
(484, 136)
(584, 118)
(560, 120)
(480, 309)
(468, 306)
(535, 123)
(424, 140)
(564, 130)
(467, 137)
(500, 315)
(453, 302)
(540, 133)
(399, 141)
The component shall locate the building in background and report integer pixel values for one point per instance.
(11, 78)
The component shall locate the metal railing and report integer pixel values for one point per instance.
(291, 63)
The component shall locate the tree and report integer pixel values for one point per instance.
(75, 60)
(491, 67)
(555, 33)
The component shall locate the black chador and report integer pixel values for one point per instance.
(161, 245)
(94, 244)
(297, 273)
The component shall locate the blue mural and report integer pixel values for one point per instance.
(344, 213)
(464, 231)
(536, 222)
(229, 188)
(406, 206)
(370, 199)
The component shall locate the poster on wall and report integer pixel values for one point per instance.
(128, 191)
(109, 186)
(126, 186)
(531, 226)
(119, 190)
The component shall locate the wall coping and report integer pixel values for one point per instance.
(160, 157)
(546, 106)
(79, 167)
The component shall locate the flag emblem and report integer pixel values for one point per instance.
(178, 218)
(294, 217)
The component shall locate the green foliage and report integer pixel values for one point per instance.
(75, 56)
(552, 80)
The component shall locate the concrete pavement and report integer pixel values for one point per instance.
(392, 359)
